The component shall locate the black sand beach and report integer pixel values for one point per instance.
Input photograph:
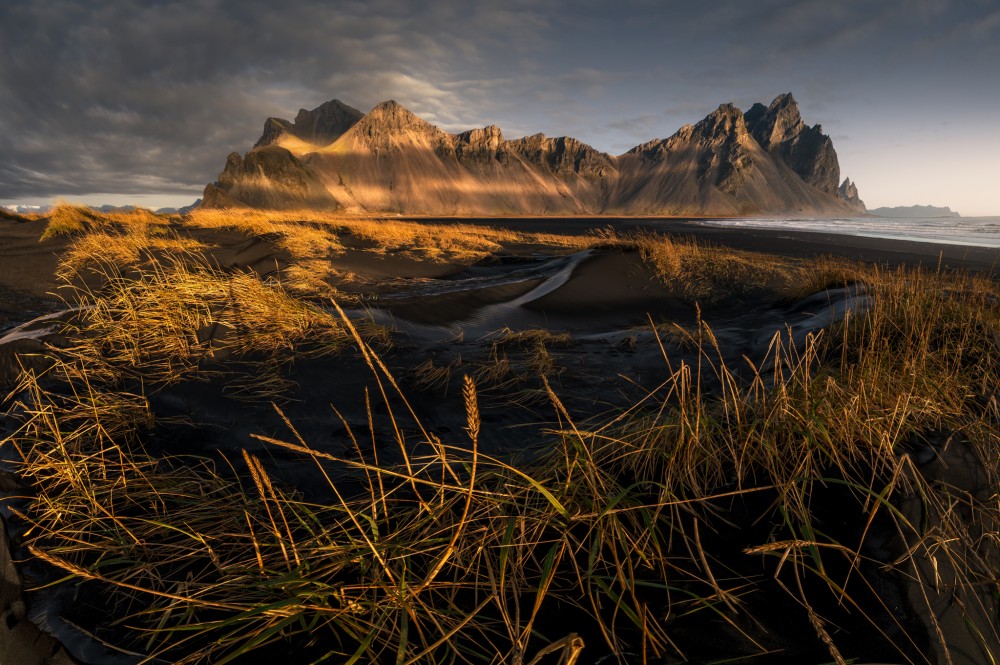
(799, 244)
(29, 266)
(596, 327)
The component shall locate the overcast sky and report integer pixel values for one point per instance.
(113, 101)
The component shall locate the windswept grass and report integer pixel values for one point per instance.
(516, 362)
(721, 275)
(617, 531)
(71, 219)
(11, 216)
(444, 243)
(150, 307)
(700, 273)
(92, 253)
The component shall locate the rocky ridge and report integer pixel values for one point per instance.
(321, 126)
(848, 193)
(764, 161)
(779, 129)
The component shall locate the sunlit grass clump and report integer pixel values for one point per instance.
(302, 232)
(71, 219)
(711, 276)
(617, 530)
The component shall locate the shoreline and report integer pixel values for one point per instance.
(789, 243)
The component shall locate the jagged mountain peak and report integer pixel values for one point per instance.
(848, 193)
(392, 160)
(723, 122)
(779, 129)
(776, 124)
(320, 126)
(327, 122)
(784, 100)
(274, 129)
(391, 119)
(390, 115)
(334, 107)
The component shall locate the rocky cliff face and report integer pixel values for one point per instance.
(390, 160)
(389, 122)
(727, 161)
(848, 193)
(267, 177)
(563, 156)
(806, 150)
(321, 126)
(715, 167)
(481, 145)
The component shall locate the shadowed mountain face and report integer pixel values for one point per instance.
(321, 126)
(764, 161)
(806, 150)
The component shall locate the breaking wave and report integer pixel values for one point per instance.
(972, 231)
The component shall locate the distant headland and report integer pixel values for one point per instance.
(914, 211)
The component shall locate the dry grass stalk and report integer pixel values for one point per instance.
(310, 234)
(455, 555)
(70, 219)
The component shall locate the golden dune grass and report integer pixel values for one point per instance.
(451, 555)
(452, 243)
(717, 275)
(123, 248)
(69, 219)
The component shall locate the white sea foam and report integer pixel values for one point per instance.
(972, 231)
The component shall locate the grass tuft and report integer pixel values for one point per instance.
(621, 528)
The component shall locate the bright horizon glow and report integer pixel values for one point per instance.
(150, 201)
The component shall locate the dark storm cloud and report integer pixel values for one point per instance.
(138, 97)
(125, 96)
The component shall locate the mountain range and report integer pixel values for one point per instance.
(732, 163)
(919, 211)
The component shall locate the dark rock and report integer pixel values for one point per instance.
(481, 145)
(321, 126)
(290, 182)
(848, 193)
(390, 117)
(563, 156)
(390, 160)
(274, 128)
(724, 131)
(806, 150)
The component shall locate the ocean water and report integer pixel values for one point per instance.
(972, 231)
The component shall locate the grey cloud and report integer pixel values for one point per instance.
(101, 94)
(640, 125)
(121, 96)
